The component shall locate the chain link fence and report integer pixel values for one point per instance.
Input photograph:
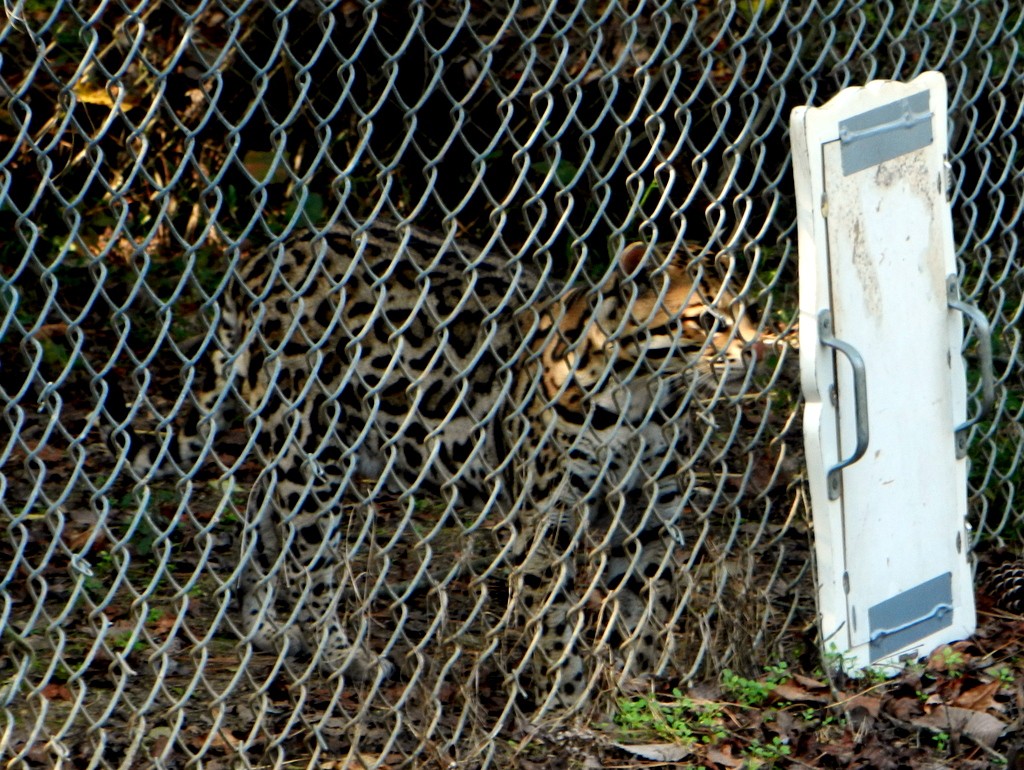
(150, 151)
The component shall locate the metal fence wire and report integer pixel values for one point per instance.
(340, 207)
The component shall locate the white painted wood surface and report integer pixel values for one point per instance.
(876, 252)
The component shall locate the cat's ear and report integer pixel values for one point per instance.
(631, 257)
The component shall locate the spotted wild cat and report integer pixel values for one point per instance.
(391, 354)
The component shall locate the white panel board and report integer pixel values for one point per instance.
(876, 267)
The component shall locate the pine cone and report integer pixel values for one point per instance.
(1004, 584)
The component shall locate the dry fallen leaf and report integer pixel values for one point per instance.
(58, 692)
(808, 682)
(904, 708)
(791, 690)
(981, 698)
(984, 729)
(870, 704)
(722, 755)
(656, 752)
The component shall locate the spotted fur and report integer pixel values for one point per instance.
(429, 368)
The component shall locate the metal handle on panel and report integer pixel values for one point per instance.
(988, 379)
(860, 400)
